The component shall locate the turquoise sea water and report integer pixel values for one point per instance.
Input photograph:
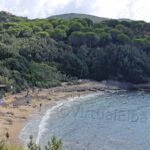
(103, 121)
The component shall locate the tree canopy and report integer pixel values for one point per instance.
(45, 52)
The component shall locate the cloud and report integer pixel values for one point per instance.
(133, 9)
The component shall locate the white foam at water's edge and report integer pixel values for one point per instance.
(42, 127)
(46, 117)
(43, 123)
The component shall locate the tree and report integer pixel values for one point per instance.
(104, 38)
(75, 26)
(43, 75)
(6, 51)
(142, 43)
(91, 39)
(36, 29)
(42, 34)
(123, 39)
(58, 34)
(76, 38)
(5, 80)
(74, 66)
(86, 29)
(63, 27)
(97, 64)
(14, 31)
(112, 22)
(2, 145)
(114, 34)
(25, 32)
(32, 145)
(54, 144)
(89, 22)
(125, 30)
(47, 26)
(9, 25)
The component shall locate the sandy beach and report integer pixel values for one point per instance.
(20, 107)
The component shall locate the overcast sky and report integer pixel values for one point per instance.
(133, 9)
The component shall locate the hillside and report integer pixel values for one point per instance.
(8, 17)
(45, 52)
(82, 16)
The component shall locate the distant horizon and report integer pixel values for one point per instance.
(115, 9)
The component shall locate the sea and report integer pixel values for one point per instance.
(100, 121)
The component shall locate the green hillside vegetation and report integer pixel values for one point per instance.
(46, 52)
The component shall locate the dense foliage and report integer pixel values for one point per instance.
(45, 52)
(53, 144)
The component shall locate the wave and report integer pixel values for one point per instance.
(63, 103)
(43, 123)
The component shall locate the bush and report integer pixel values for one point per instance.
(2, 145)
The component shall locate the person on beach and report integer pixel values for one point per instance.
(38, 91)
(27, 94)
(40, 106)
(27, 102)
(7, 135)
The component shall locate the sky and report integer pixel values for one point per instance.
(132, 9)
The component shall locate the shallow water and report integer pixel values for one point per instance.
(106, 121)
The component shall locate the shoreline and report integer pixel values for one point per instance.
(13, 119)
(61, 103)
